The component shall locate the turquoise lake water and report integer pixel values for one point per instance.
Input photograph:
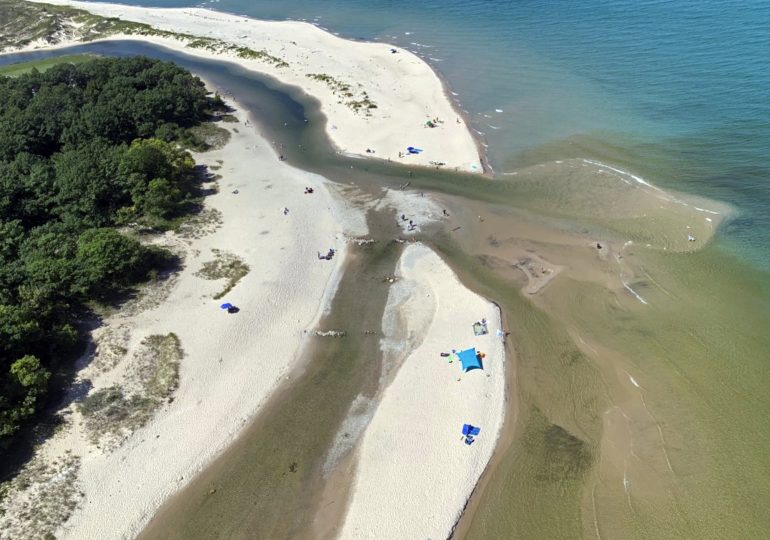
(677, 91)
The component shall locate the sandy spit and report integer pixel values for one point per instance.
(415, 472)
(406, 91)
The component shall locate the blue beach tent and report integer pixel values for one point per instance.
(469, 359)
(470, 430)
(227, 305)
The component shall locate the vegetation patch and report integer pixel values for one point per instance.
(40, 498)
(224, 266)
(199, 225)
(110, 348)
(206, 136)
(113, 413)
(363, 104)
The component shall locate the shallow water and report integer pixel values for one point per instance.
(635, 419)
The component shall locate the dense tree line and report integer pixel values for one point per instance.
(84, 150)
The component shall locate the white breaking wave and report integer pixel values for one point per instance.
(706, 210)
(624, 173)
(637, 295)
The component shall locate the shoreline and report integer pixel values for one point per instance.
(402, 90)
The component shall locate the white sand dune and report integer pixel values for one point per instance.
(406, 91)
(232, 362)
(414, 472)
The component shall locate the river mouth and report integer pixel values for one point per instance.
(638, 399)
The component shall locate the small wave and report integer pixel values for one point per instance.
(454, 93)
(494, 127)
(407, 33)
(620, 171)
(706, 210)
(633, 381)
(479, 132)
(435, 59)
(498, 110)
(487, 116)
(637, 295)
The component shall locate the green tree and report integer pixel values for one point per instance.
(29, 373)
(107, 260)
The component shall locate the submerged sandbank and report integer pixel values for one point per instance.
(377, 103)
(415, 472)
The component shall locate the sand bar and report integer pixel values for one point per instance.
(407, 93)
(415, 472)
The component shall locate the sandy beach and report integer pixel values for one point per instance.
(405, 91)
(231, 362)
(415, 472)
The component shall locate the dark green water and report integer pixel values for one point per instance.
(681, 455)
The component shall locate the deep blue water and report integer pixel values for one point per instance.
(677, 91)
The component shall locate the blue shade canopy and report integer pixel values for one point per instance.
(469, 359)
(470, 430)
(228, 305)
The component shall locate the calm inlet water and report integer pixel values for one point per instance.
(676, 91)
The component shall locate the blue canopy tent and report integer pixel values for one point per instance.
(469, 359)
(468, 429)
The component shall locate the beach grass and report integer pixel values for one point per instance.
(206, 136)
(112, 413)
(224, 266)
